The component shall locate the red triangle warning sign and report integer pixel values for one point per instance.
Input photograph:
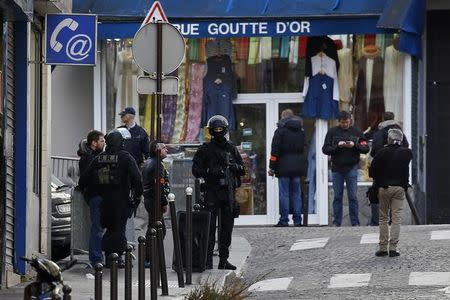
(155, 14)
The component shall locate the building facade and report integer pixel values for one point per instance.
(263, 49)
(25, 139)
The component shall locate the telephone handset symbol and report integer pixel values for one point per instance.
(70, 23)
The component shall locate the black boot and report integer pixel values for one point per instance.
(225, 265)
(394, 253)
(380, 253)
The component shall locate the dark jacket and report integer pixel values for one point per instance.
(148, 181)
(86, 155)
(390, 167)
(211, 162)
(286, 156)
(139, 144)
(344, 159)
(380, 136)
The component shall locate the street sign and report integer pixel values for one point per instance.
(147, 85)
(155, 14)
(70, 39)
(145, 46)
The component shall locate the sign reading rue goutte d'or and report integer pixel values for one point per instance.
(243, 28)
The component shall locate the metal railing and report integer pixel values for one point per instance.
(65, 168)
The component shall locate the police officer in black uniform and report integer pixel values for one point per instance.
(221, 166)
(138, 144)
(114, 173)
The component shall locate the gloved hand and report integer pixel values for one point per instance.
(216, 172)
(234, 167)
(236, 209)
(134, 203)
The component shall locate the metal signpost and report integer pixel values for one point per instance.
(154, 36)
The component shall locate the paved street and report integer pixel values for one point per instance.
(339, 263)
(318, 263)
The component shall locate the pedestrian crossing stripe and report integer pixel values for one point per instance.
(440, 235)
(309, 244)
(370, 238)
(276, 284)
(429, 278)
(349, 280)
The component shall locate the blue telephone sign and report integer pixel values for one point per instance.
(71, 39)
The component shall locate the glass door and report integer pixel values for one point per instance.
(250, 138)
(308, 182)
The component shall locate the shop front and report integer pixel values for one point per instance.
(261, 61)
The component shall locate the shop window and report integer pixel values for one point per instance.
(368, 77)
(256, 65)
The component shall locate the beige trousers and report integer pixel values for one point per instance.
(390, 199)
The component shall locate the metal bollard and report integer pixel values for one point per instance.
(128, 271)
(66, 291)
(189, 235)
(176, 241)
(153, 269)
(141, 270)
(114, 257)
(162, 258)
(98, 290)
(305, 204)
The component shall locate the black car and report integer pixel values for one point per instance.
(61, 212)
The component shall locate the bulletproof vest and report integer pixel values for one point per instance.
(107, 170)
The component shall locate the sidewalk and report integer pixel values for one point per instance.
(82, 280)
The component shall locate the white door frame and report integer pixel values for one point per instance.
(272, 102)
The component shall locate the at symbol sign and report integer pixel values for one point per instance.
(78, 47)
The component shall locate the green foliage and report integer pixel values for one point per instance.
(234, 289)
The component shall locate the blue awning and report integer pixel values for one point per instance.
(408, 16)
(230, 8)
(223, 28)
(322, 17)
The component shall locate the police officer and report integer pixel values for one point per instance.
(220, 164)
(138, 144)
(138, 147)
(114, 173)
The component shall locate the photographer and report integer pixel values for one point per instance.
(220, 164)
(344, 143)
(390, 169)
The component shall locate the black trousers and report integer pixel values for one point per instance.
(114, 240)
(225, 231)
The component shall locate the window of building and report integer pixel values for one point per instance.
(365, 72)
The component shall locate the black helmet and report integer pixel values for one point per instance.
(215, 122)
(116, 137)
